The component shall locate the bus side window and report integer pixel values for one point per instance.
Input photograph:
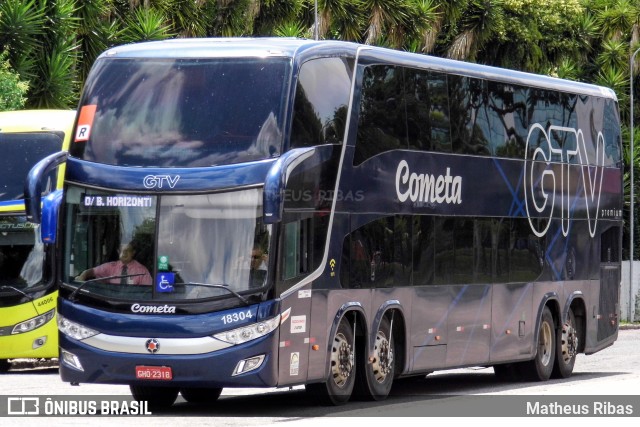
(468, 103)
(427, 105)
(379, 254)
(319, 114)
(299, 250)
(382, 121)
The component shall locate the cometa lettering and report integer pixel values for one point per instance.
(427, 188)
(154, 309)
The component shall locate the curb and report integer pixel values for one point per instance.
(630, 326)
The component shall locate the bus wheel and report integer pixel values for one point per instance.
(379, 370)
(200, 395)
(541, 367)
(566, 348)
(158, 397)
(4, 365)
(339, 386)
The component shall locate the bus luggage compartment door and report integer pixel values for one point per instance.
(294, 343)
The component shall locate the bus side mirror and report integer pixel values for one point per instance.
(277, 177)
(33, 184)
(50, 208)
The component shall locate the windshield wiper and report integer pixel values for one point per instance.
(23, 293)
(222, 286)
(11, 288)
(97, 279)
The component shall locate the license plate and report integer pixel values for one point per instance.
(154, 373)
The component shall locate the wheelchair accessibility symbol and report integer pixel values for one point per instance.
(165, 282)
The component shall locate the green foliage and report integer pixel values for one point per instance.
(21, 26)
(94, 33)
(145, 25)
(234, 18)
(291, 29)
(12, 89)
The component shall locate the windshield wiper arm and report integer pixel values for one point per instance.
(222, 286)
(23, 293)
(97, 279)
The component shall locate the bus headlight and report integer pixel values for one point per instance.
(248, 333)
(74, 330)
(33, 323)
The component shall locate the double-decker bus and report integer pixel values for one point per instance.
(27, 287)
(330, 214)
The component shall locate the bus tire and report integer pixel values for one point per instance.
(541, 367)
(159, 398)
(375, 375)
(338, 388)
(566, 347)
(200, 394)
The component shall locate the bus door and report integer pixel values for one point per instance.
(296, 304)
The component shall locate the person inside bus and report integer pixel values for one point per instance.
(258, 259)
(130, 271)
(258, 267)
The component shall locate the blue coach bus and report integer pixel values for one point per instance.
(329, 214)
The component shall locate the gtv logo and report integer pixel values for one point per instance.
(158, 181)
(548, 175)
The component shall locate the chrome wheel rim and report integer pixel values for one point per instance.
(545, 343)
(383, 358)
(341, 360)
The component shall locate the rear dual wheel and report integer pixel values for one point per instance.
(377, 371)
(541, 367)
(338, 388)
(566, 348)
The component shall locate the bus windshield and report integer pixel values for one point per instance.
(20, 152)
(182, 112)
(21, 253)
(181, 247)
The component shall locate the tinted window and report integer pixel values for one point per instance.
(382, 124)
(427, 110)
(20, 152)
(468, 100)
(526, 252)
(21, 253)
(379, 254)
(428, 250)
(549, 108)
(612, 142)
(507, 111)
(183, 112)
(423, 250)
(444, 251)
(321, 102)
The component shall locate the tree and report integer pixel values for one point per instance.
(12, 89)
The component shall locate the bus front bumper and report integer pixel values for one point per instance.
(250, 364)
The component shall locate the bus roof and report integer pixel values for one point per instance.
(36, 120)
(294, 48)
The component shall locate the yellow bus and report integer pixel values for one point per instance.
(28, 293)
